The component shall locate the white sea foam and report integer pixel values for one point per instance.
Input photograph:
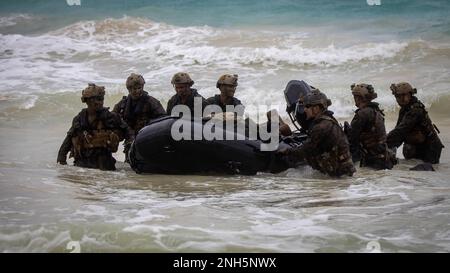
(107, 51)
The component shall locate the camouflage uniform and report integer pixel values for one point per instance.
(367, 135)
(137, 113)
(216, 101)
(94, 137)
(368, 138)
(327, 148)
(92, 143)
(415, 129)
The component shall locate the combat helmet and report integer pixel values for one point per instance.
(315, 97)
(135, 79)
(364, 90)
(182, 77)
(92, 91)
(402, 88)
(228, 80)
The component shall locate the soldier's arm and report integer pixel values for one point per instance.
(126, 132)
(238, 102)
(66, 146)
(300, 153)
(361, 118)
(311, 145)
(204, 104)
(396, 137)
(169, 107)
(116, 108)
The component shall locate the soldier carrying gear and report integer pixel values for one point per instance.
(138, 108)
(367, 133)
(414, 127)
(227, 85)
(327, 148)
(185, 95)
(95, 133)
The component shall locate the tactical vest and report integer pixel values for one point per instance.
(137, 117)
(88, 138)
(216, 101)
(335, 162)
(176, 100)
(376, 132)
(423, 130)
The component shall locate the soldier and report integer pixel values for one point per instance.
(327, 148)
(367, 135)
(138, 108)
(95, 133)
(185, 95)
(227, 85)
(414, 127)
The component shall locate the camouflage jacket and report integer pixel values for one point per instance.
(106, 121)
(368, 133)
(176, 100)
(414, 126)
(327, 148)
(216, 101)
(137, 113)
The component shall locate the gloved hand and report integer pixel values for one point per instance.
(283, 152)
(61, 160)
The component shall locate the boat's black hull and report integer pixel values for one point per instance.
(155, 151)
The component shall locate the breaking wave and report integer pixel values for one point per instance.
(106, 51)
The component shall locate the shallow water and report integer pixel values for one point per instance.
(47, 59)
(295, 211)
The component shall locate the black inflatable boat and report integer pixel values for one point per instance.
(155, 151)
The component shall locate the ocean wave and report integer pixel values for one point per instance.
(106, 51)
(141, 38)
(88, 49)
(130, 38)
